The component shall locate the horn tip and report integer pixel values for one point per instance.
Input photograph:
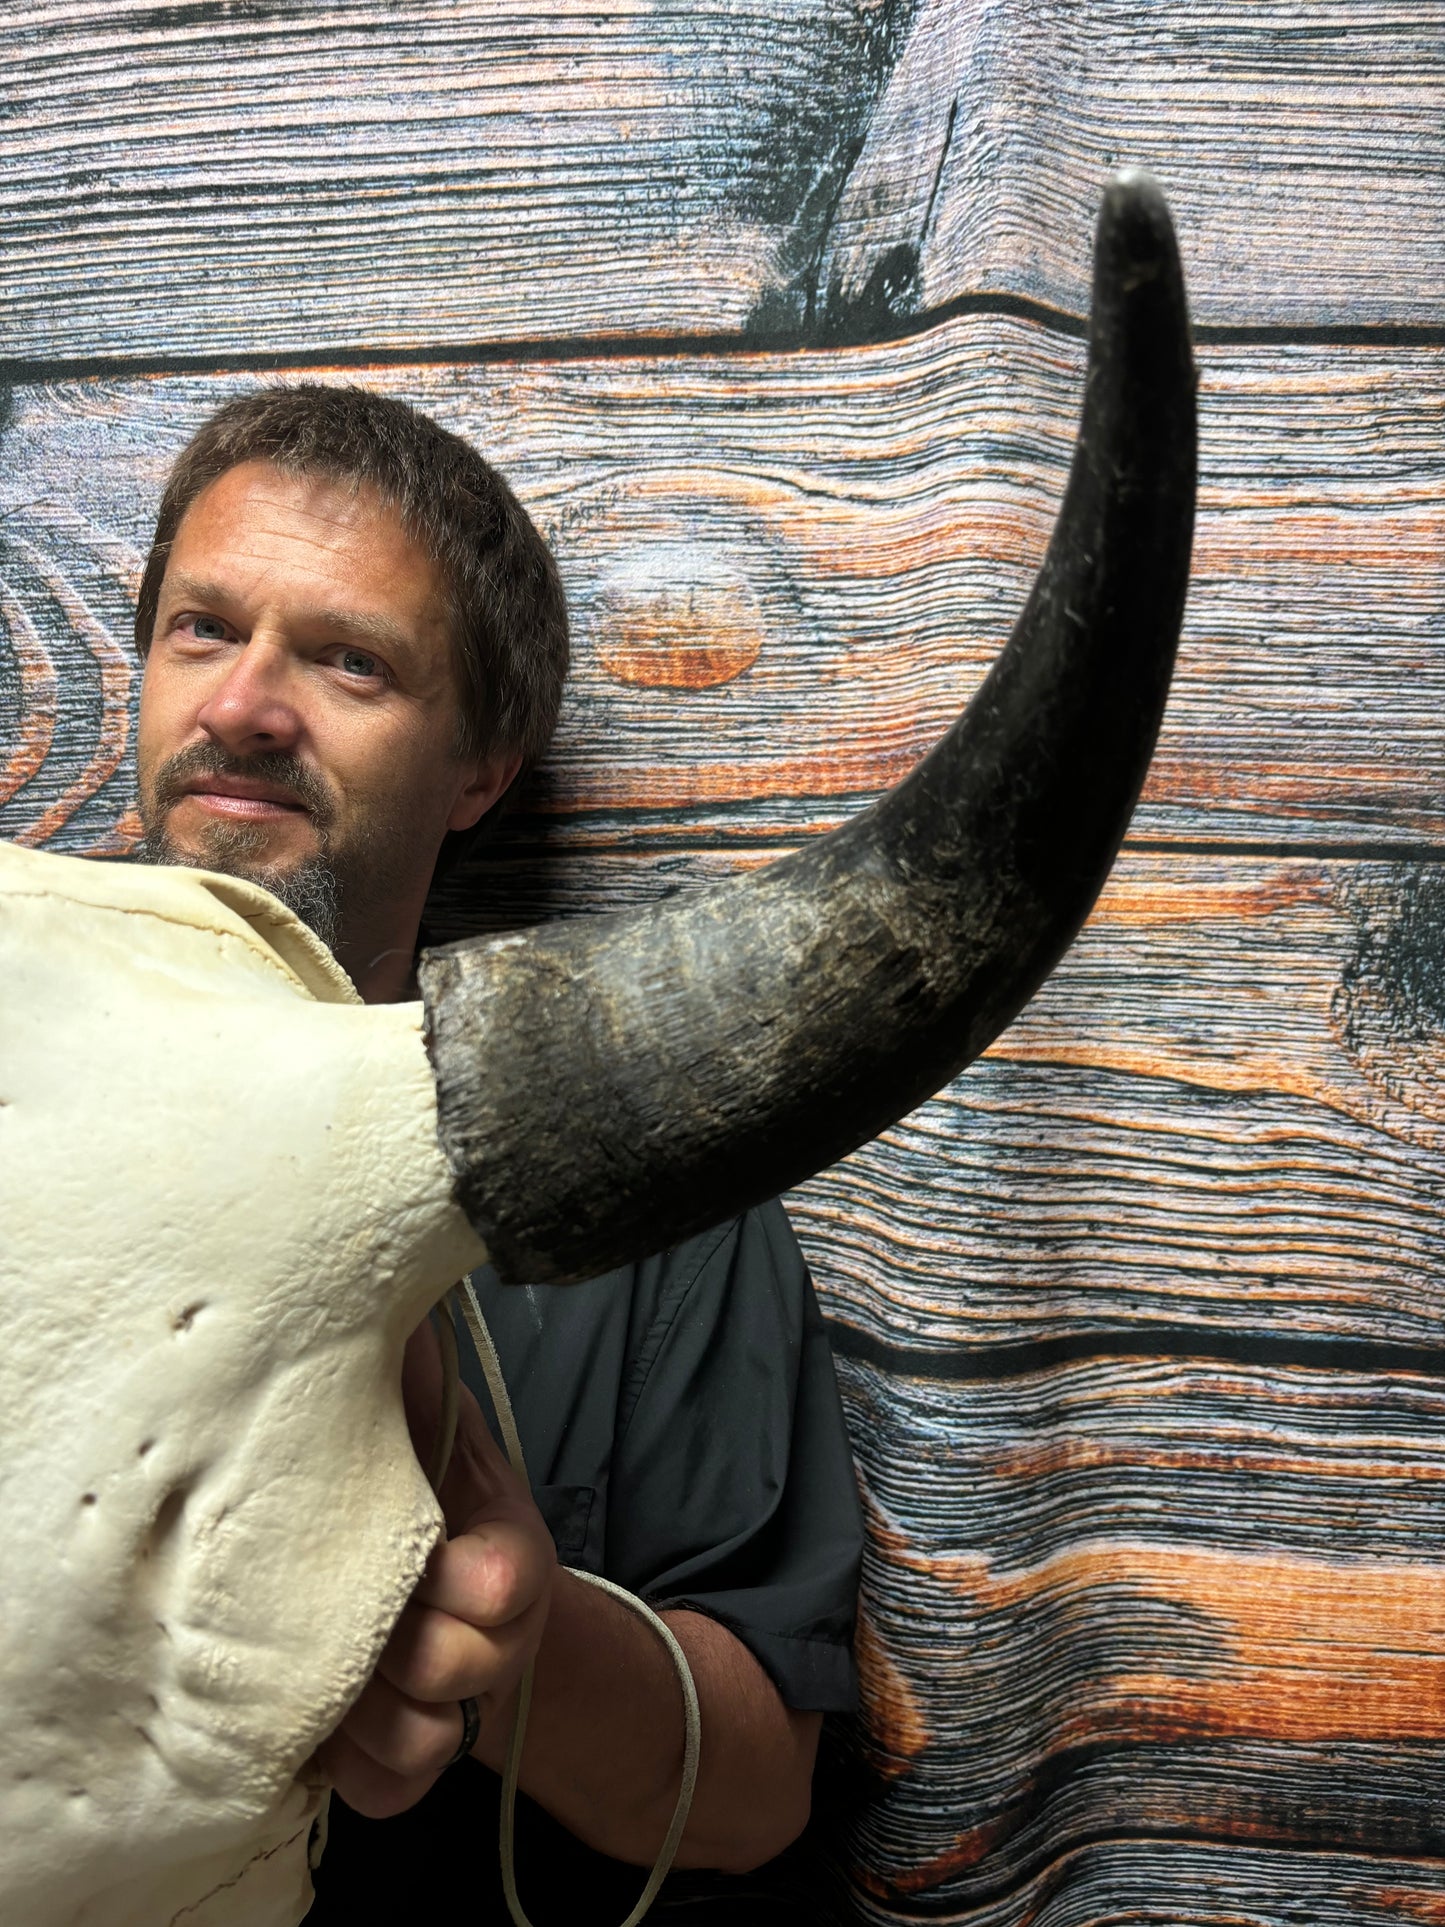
(1136, 190)
(1135, 225)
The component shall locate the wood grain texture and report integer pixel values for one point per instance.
(788, 573)
(1139, 1324)
(68, 677)
(1148, 1611)
(1220, 1123)
(279, 179)
(1140, 1330)
(211, 179)
(1297, 203)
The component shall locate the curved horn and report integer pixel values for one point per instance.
(610, 1085)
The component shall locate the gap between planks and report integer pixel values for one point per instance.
(20, 370)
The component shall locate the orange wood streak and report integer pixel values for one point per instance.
(1092, 1454)
(1141, 895)
(966, 1850)
(1392, 538)
(1423, 1904)
(38, 689)
(115, 668)
(897, 1732)
(1314, 1651)
(120, 839)
(660, 653)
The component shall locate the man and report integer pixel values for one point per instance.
(355, 641)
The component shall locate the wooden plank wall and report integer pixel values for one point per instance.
(773, 309)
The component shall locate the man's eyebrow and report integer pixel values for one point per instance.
(356, 622)
(346, 622)
(192, 588)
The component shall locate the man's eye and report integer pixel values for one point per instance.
(208, 628)
(356, 662)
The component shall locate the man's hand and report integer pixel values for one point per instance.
(472, 1625)
(604, 1742)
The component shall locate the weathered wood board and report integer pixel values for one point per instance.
(282, 177)
(1221, 1124)
(1217, 1628)
(799, 565)
(1303, 146)
(772, 313)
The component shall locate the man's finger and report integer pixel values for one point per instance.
(492, 1572)
(411, 1738)
(365, 1784)
(436, 1656)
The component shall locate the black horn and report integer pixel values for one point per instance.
(607, 1086)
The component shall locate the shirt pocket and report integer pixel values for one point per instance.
(567, 1512)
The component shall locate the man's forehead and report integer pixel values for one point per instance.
(257, 500)
(336, 555)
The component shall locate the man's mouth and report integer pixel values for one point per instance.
(266, 800)
(243, 798)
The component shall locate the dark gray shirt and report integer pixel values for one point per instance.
(684, 1437)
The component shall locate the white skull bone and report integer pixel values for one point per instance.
(210, 1509)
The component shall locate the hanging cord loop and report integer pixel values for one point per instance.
(463, 1297)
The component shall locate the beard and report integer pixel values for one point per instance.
(316, 888)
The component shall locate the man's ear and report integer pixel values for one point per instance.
(484, 784)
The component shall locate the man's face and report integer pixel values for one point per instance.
(299, 713)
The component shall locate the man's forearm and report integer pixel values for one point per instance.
(605, 1737)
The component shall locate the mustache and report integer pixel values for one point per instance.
(276, 766)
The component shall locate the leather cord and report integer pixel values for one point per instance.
(462, 1297)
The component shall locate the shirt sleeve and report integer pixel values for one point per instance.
(732, 1484)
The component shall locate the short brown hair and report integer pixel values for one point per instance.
(508, 612)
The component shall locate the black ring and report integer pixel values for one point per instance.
(471, 1730)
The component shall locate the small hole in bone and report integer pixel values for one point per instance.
(89, 1498)
(144, 1447)
(182, 1320)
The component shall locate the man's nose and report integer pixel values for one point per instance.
(254, 707)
